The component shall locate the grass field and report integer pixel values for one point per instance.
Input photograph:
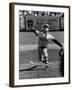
(54, 68)
(28, 52)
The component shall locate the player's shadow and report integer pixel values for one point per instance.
(35, 68)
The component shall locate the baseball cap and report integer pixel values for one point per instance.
(46, 25)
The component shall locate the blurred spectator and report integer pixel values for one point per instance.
(21, 20)
(52, 14)
(25, 13)
(62, 15)
(35, 14)
(48, 13)
(41, 13)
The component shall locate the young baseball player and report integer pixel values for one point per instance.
(43, 40)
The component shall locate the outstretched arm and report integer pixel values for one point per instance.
(33, 30)
(36, 32)
(57, 42)
(54, 40)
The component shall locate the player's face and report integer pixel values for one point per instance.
(46, 29)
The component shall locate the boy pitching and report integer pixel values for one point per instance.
(43, 40)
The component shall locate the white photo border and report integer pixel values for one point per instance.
(42, 81)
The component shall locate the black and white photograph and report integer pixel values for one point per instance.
(41, 44)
